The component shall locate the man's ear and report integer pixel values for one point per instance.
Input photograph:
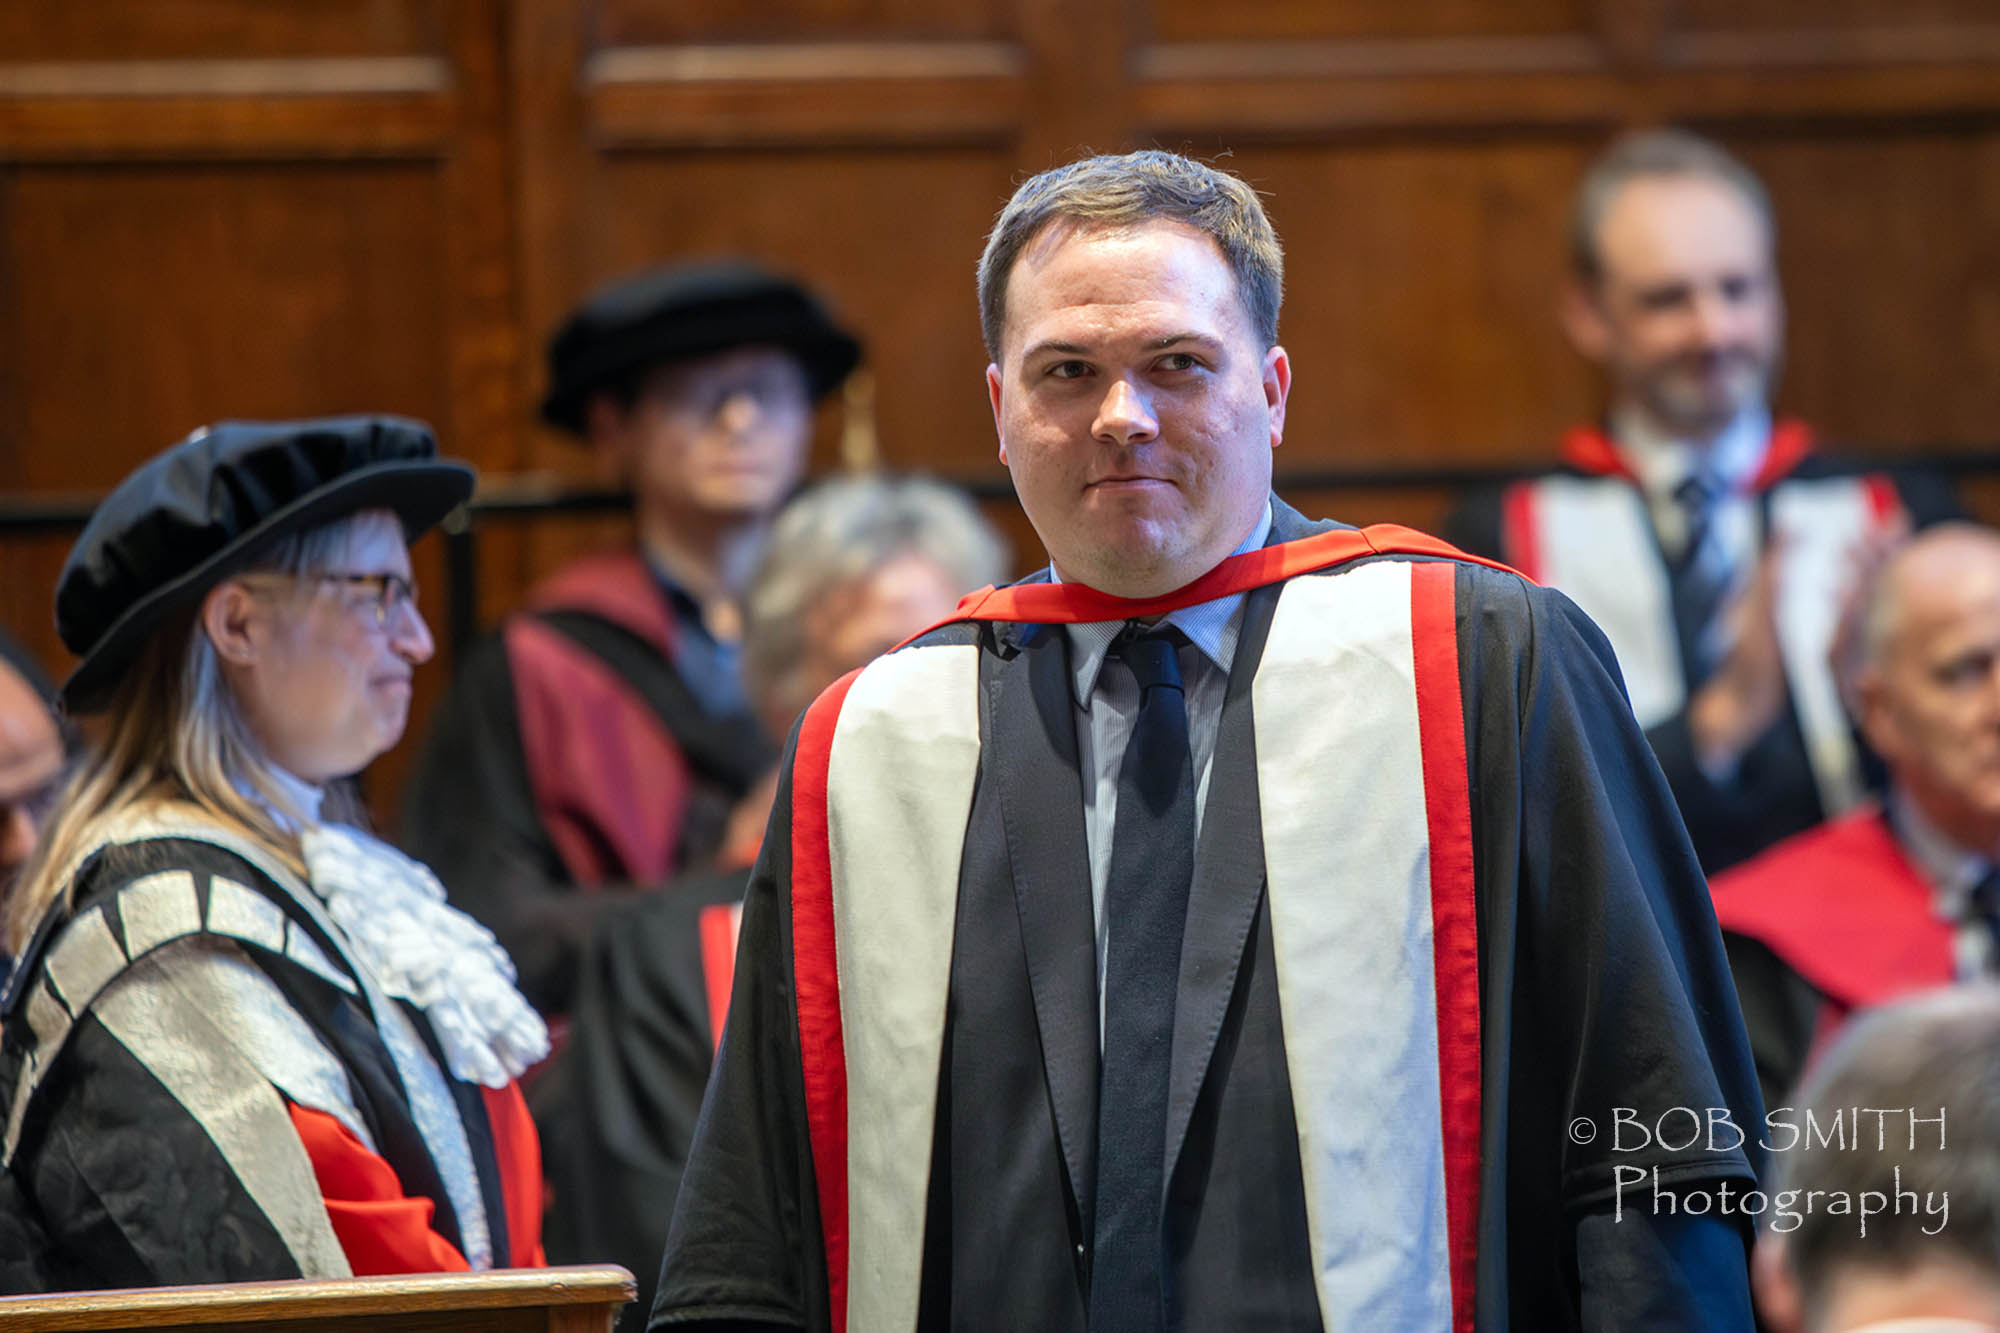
(1872, 714)
(1277, 389)
(1581, 312)
(993, 397)
(230, 616)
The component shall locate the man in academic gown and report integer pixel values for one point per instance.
(1330, 1028)
(596, 745)
(1714, 547)
(1905, 895)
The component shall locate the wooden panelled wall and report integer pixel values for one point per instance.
(218, 208)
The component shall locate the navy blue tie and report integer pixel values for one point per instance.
(1702, 580)
(1145, 906)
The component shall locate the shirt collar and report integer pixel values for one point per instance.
(302, 796)
(1212, 627)
(1952, 870)
(1662, 462)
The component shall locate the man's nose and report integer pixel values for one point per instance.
(739, 412)
(1124, 416)
(410, 635)
(1717, 320)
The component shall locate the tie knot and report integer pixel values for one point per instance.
(1152, 654)
(1698, 492)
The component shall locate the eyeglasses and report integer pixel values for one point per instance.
(385, 594)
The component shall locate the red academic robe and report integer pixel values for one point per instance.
(1840, 909)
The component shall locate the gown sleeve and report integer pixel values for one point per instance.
(744, 1251)
(1605, 987)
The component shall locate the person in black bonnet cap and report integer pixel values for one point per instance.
(597, 744)
(246, 1040)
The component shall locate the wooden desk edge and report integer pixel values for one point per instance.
(248, 1302)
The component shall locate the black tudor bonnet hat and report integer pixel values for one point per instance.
(196, 513)
(684, 311)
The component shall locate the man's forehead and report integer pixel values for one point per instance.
(1659, 223)
(1157, 263)
(1945, 586)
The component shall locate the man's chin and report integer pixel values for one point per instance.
(1702, 409)
(744, 499)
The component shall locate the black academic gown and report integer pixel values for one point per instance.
(535, 843)
(1601, 984)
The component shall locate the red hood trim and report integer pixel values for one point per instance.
(1590, 450)
(615, 585)
(1844, 908)
(1073, 603)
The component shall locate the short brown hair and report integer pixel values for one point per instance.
(1124, 190)
(1931, 1057)
(1653, 154)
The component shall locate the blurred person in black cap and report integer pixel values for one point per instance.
(596, 745)
(854, 566)
(246, 1040)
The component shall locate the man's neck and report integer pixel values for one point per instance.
(710, 558)
(1259, 535)
(1661, 458)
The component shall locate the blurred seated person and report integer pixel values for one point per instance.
(32, 750)
(245, 1040)
(855, 566)
(1713, 546)
(1904, 895)
(596, 745)
(1928, 1260)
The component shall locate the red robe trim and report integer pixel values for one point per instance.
(720, 925)
(1844, 907)
(1454, 914)
(384, 1231)
(1073, 603)
(817, 978)
(518, 1149)
(1589, 449)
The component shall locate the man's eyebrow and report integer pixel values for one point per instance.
(1062, 348)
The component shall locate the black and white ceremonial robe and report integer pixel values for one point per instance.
(201, 1082)
(1442, 909)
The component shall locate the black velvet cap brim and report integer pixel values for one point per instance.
(420, 492)
(604, 357)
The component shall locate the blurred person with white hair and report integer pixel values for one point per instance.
(855, 566)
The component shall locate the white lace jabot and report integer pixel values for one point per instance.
(423, 950)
